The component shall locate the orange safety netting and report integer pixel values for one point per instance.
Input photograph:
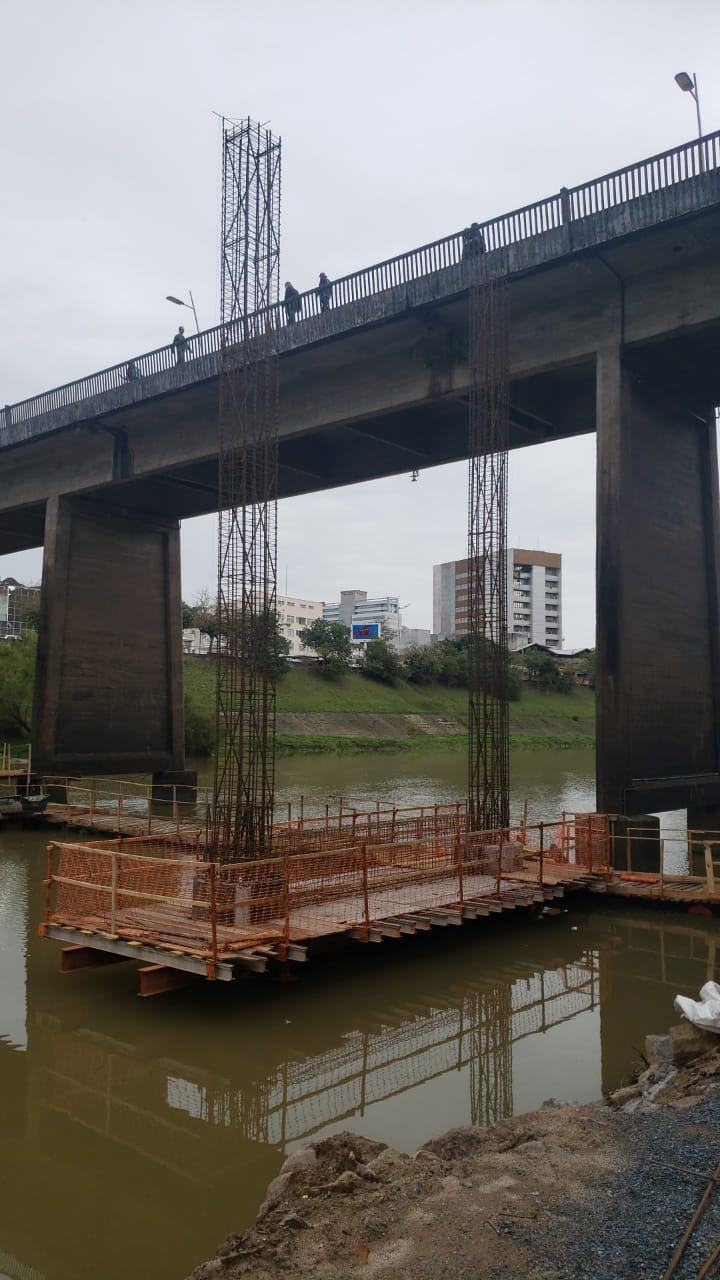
(325, 876)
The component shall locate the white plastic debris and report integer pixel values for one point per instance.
(704, 1012)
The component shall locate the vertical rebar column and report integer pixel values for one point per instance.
(488, 747)
(247, 497)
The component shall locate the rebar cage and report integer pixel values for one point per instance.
(242, 810)
(488, 718)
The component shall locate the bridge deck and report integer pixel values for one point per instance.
(653, 191)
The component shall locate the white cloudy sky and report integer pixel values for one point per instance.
(401, 121)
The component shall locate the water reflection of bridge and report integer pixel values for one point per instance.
(154, 1108)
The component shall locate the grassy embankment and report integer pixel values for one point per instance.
(537, 719)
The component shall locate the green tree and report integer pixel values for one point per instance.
(331, 642)
(548, 674)
(380, 662)
(514, 685)
(204, 612)
(199, 730)
(279, 648)
(263, 645)
(17, 679)
(453, 659)
(188, 615)
(422, 663)
(587, 666)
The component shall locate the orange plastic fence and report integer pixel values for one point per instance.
(324, 877)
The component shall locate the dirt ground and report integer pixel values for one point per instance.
(468, 1205)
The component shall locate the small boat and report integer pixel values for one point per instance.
(23, 806)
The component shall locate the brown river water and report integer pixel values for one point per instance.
(135, 1134)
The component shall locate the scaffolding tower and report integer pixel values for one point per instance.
(242, 810)
(488, 437)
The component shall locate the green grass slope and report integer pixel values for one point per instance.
(536, 713)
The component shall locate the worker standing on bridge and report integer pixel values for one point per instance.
(181, 344)
(324, 292)
(293, 302)
(473, 241)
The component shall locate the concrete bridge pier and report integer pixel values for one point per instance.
(658, 621)
(109, 686)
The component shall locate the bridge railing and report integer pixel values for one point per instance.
(694, 160)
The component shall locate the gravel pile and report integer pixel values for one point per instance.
(629, 1228)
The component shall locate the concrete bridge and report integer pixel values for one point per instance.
(615, 324)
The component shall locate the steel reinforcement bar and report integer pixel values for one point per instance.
(570, 208)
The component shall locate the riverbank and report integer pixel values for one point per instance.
(288, 744)
(566, 1192)
(354, 715)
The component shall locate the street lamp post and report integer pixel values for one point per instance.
(399, 615)
(689, 84)
(190, 305)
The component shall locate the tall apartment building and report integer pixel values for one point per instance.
(366, 619)
(294, 615)
(534, 598)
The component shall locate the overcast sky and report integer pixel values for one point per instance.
(401, 121)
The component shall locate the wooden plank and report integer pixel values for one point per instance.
(709, 869)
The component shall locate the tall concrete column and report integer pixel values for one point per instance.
(109, 691)
(658, 625)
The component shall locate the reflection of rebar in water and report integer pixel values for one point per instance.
(491, 1096)
(154, 1107)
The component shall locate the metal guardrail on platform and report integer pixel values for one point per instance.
(165, 892)
(669, 169)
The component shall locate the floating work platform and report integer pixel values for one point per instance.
(363, 876)
(359, 876)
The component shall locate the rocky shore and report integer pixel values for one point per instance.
(567, 1192)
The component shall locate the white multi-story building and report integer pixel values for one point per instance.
(534, 598)
(196, 642)
(366, 619)
(294, 615)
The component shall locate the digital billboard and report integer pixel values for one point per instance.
(366, 631)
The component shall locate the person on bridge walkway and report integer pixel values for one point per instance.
(293, 302)
(473, 241)
(181, 344)
(324, 292)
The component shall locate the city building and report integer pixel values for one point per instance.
(366, 619)
(16, 602)
(534, 598)
(196, 642)
(413, 637)
(294, 614)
